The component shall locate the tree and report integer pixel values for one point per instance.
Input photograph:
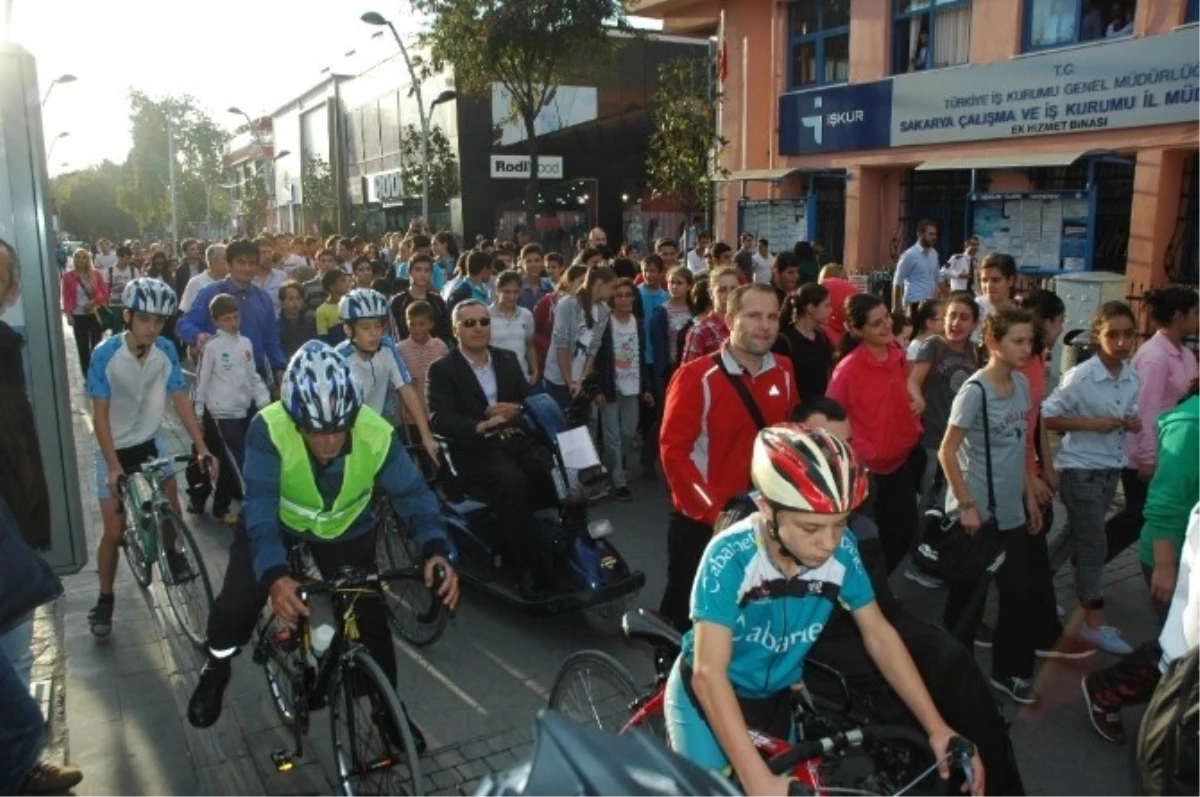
(252, 205)
(443, 166)
(684, 160)
(527, 46)
(86, 202)
(316, 189)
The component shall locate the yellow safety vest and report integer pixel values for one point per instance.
(301, 505)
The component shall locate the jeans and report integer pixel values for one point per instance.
(686, 541)
(618, 420)
(1126, 527)
(1087, 495)
(22, 729)
(16, 647)
(1012, 652)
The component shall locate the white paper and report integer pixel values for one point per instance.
(578, 451)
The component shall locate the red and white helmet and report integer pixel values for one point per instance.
(806, 469)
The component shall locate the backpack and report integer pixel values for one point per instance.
(1167, 740)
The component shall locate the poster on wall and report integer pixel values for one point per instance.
(1043, 231)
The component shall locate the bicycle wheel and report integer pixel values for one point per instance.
(373, 748)
(281, 664)
(406, 600)
(594, 689)
(132, 545)
(188, 591)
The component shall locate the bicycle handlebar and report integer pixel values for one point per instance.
(811, 748)
(358, 580)
(156, 464)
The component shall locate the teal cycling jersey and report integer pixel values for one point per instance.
(775, 620)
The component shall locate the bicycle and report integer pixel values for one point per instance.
(899, 754)
(155, 533)
(373, 748)
(408, 603)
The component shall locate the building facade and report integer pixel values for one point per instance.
(1061, 131)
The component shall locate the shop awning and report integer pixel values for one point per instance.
(770, 174)
(1014, 161)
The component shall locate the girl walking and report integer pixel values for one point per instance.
(83, 293)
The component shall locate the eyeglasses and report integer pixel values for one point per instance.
(470, 323)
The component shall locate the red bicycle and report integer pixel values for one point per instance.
(593, 688)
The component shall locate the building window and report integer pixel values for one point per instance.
(820, 42)
(1058, 23)
(930, 34)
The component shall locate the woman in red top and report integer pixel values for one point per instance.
(870, 382)
(83, 293)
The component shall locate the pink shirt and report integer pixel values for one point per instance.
(418, 357)
(1166, 371)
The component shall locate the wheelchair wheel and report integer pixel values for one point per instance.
(407, 600)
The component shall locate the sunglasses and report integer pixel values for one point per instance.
(470, 323)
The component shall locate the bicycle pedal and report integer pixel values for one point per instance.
(283, 760)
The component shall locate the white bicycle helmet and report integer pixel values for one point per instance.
(363, 303)
(149, 295)
(806, 469)
(319, 390)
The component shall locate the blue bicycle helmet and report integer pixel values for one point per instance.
(319, 390)
(570, 759)
(149, 295)
(362, 303)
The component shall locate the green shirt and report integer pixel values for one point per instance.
(1175, 488)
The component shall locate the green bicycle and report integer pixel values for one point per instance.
(155, 533)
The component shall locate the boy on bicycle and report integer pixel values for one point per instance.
(313, 461)
(764, 591)
(374, 360)
(130, 378)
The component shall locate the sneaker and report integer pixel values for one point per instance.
(927, 581)
(204, 707)
(1066, 647)
(1107, 723)
(100, 618)
(1106, 638)
(195, 506)
(230, 519)
(1019, 689)
(180, 567)
(50, 778)
(621, 494)
(984, 636)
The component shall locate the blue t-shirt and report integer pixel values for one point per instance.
(771, 635)
(652, 299)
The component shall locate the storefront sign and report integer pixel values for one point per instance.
(835, 119)
(516, 167)
(386, 187)
(1129, 83)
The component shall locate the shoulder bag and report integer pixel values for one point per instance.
(739, 387)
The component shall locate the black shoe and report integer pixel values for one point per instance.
(180, 567)
(527, 585)
(621, 494)
(195, 505)
(204, 707)
(100, 618)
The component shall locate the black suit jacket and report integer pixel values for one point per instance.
(182, 276)
(456, 401)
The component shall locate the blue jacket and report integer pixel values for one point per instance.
(259, 323)
(411, 499)
(660, 330)
(606, 367)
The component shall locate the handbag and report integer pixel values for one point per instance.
(946, 550)
(103, 315)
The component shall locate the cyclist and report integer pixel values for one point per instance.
(762, 595)
(313, 459)
(129, 379)
(375, 362)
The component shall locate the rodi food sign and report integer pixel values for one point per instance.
(517, 167)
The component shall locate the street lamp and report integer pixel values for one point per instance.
(375, 18)
(269, 164)
(67, 78)
(61, 135)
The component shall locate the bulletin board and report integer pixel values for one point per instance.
(1046, 232)
(782, 222)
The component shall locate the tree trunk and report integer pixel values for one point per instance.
(531, 188)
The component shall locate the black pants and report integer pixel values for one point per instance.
(232, 433)
(513, 478)
(895, 507)
(87, 337)
(1012, 653)
(1126, 527)
(960, 692)
(236, 610)
(686, 541)
(199, 485)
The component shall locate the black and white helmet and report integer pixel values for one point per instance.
(149, 295)
(319, 390)
(363, 303)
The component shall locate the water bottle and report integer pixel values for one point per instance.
(320, 623)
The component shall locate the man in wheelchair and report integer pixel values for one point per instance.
(958, 688)
(474, 395)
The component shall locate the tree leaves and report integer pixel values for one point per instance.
(443, 165)
(316, 191)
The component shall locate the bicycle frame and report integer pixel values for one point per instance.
(148, 529)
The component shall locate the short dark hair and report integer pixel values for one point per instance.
(477, 261)
(509, 277)
(819, 405)
(183, 246)
(222, 305)
(661, 242)
(420, 242)
(531, 249)
(786, 260)
(331, 277)
(1165, 303)
(290, 285)
(719, 248)
(925, 224)
(556, 257)
(241, 248)
(420, 257)
(360, 260)
(738, 295)
(124, 250)
(418, 309)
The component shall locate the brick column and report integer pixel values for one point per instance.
(1157, 181)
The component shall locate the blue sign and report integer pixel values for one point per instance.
(836, 119)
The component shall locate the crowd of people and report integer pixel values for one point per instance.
(700, 359)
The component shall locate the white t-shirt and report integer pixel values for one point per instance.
(513, 333)
(696, 263)
(293, 261)
(986, 308)
(626, 356)
(762, 268)
(193, 288)
(958, 271)
(137, 391)
(117, 280)
(103, 261)
(379, 374)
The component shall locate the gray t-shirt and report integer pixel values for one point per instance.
(948, 372)
(1007, 421)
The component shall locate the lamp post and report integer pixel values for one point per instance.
(268, 164)
(67, 78)
(374, 18)
(61, 135)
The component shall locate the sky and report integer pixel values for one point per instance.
(255, 54)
